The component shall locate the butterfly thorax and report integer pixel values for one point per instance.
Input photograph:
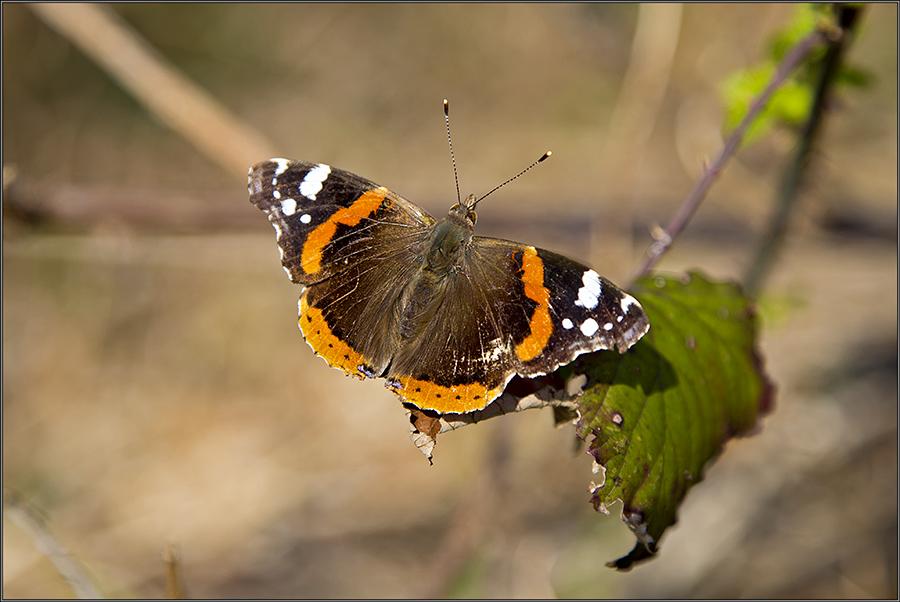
(441, 261)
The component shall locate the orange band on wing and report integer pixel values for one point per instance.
(540, 327)
(318, 334)
(456, 399)
(364, 206)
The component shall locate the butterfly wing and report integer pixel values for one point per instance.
(510, 309)
(325, 217)
(340, 234)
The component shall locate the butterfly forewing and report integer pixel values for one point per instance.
(338, 234)
(326, 219)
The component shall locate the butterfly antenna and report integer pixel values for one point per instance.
(450, 141)
(544, 156)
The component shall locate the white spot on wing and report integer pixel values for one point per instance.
(628, 301)
(289, 206)
(281, 166)
(608, 326)
(276, 194)
(567, 323)
(589, 327)
(312, 183)
(274, 221)
(306, 218)
(589, 294)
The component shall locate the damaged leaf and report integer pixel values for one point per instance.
(656, 415)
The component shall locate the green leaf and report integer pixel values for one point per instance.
(790, 104)
(738, 91)
(658, 414)
(807, 17)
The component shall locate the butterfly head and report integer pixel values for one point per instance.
(466, 210)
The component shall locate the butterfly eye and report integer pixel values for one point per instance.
(472, 217)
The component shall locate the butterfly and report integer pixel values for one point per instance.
(446, 317)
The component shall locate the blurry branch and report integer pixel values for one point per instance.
(635, 115)
(644, 87)
(773, 239)
(175, 589)
(665, 237)
(168, 94)
(141, 209)
(34, 527)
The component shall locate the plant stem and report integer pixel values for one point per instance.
(712, 170)
(785, 203)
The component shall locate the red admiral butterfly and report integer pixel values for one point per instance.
(446, 317)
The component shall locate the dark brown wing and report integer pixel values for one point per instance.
(510, 309)
(350, 242)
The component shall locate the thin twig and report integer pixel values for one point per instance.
(33, 526)
(772, 241)
(633, 118)
(640, 99)
(175, 587)
(711, 171)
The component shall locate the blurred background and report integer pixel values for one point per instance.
(158, 396)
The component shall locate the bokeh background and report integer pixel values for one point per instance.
(157, 394)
